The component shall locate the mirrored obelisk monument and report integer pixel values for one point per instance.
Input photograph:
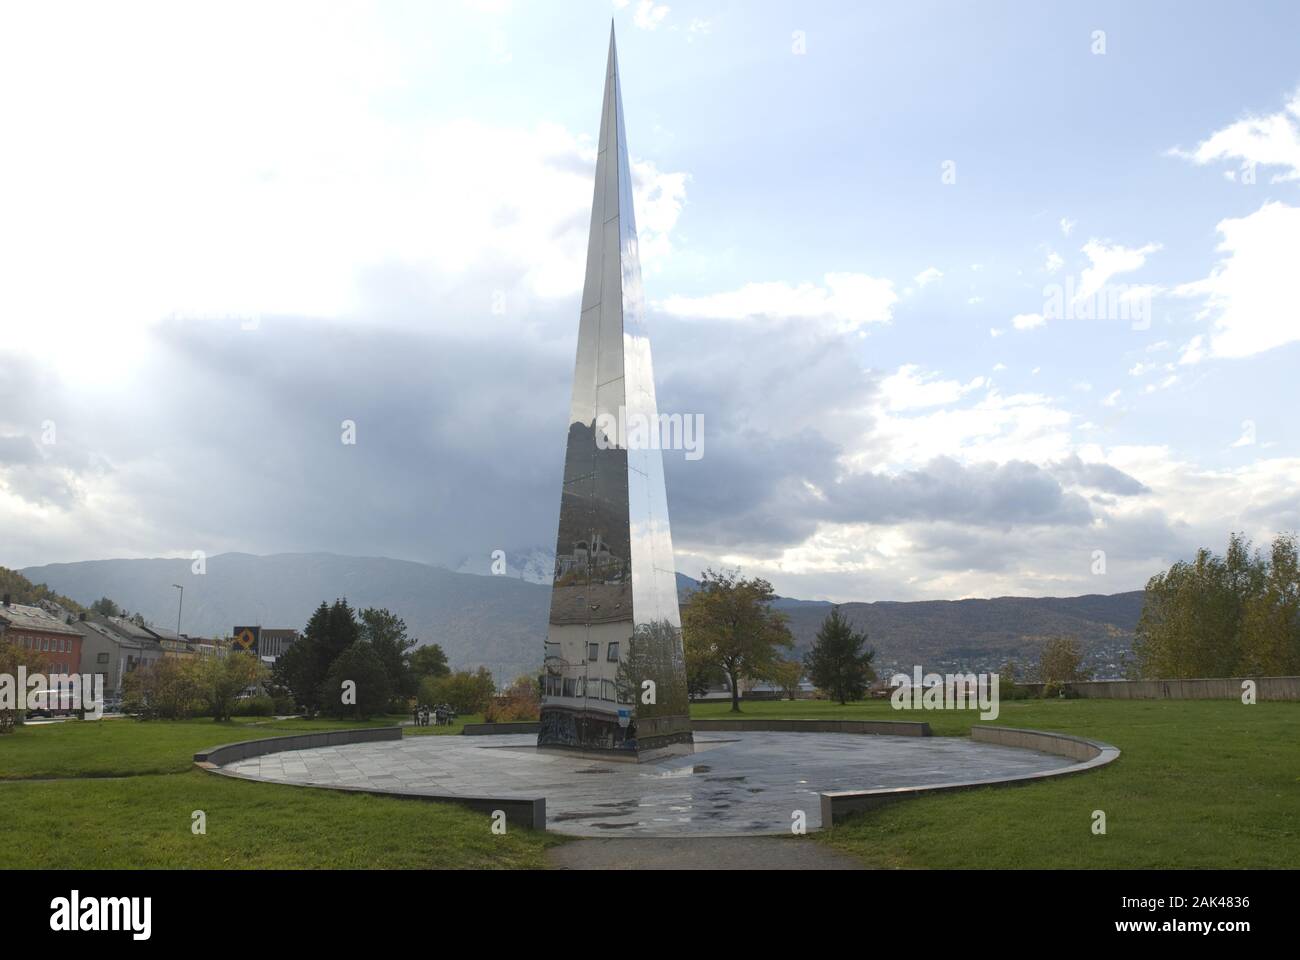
(614, 679)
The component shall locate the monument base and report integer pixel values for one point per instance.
(601, 735)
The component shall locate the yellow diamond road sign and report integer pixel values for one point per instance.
(246, 639)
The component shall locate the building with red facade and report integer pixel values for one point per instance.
(34, 629)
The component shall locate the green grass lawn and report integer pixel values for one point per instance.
(144, 818)
(1199, 783)
(118, 747)
(145, 821)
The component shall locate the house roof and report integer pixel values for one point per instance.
(20, 616)
(121, 630)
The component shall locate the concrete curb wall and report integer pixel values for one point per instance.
(496, 729)
(885, 728)
(1089, 754)
(231, 752)
(1201, 688)
(519, 811)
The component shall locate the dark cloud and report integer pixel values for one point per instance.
(18, 450)
(1097, 476)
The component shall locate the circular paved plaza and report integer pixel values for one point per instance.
(735, 783)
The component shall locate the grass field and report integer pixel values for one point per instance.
(137, 808)
(122, 747)
(1199, 784)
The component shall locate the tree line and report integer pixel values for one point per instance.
(370, 656)
(732, 633)
(1223, 616)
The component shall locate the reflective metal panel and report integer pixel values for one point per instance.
(615, 674)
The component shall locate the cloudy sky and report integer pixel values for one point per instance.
(964, 293)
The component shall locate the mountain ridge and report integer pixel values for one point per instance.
(500, 621)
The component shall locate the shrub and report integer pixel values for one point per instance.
(258, 706)
(167, 689)
(463, 691)
(521, 702)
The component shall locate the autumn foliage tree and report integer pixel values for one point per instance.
(729, 624)
(1223, 616)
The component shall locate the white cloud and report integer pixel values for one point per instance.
(927, 276)
(1272, 140)
(986, 427)
(1112, 398)
(1067, 225)
(1054, 261)
(1107, 261)
(1250, 293)
(849, 300)
(1027, 321)
(646, 14)
(270, 191)
(909, 388)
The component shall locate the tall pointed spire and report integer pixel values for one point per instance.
(615, 674)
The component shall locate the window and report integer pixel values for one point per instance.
(593, 651)
(45, 645)
(607, 690)
(102, 658)
(570, 687)
(612, 654)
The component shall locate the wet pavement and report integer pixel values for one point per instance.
(735, 784)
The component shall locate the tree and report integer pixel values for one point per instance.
(222, 679)
(837, 662)
(386, 633)
(520, 701)
(1270, 627)
(729, 623)
(463, 691)
(12, 656)
(303, 668)
(1197, 616)
(1059, 663)
(785, 675)
(105, 607)
(429, 661)
(167, 689)
(358, 670)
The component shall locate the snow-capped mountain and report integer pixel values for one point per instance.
(534, 564)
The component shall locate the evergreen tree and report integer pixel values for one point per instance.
(356, 675)
(386, 634)
(303, 668)
(837, 662)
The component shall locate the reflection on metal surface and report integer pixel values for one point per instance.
(614, 676)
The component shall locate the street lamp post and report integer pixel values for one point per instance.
(179, 604)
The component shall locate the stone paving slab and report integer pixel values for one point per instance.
(736, 784)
